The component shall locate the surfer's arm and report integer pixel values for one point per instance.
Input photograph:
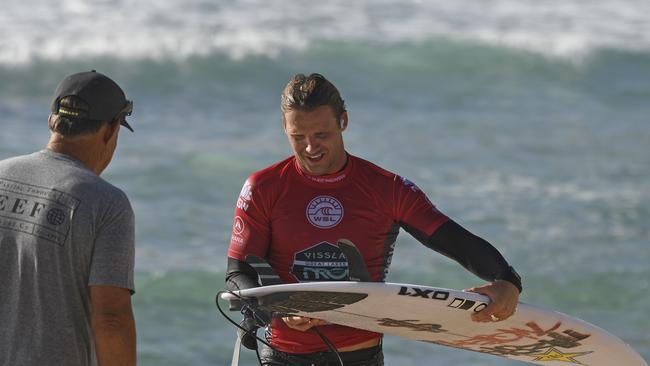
(240, 275)
(481, 258)
(472, 252)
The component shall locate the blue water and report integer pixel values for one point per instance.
(525, 121)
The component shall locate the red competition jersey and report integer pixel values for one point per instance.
(295, 220)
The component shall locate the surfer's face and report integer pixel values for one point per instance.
(317, 139)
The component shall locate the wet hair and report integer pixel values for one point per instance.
(70, 118)
(306, 93)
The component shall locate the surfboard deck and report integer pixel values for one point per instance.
(442, 316)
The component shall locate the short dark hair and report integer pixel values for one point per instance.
(71, 120)
(307, 93)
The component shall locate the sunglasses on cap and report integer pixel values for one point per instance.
(126, 111)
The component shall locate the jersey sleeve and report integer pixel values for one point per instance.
(113, 254)
(413, 209)
(251, 226)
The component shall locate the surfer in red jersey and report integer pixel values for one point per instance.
(294, 212)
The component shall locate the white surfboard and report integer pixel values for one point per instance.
(442, 316)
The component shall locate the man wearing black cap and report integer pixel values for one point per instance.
(67, 238)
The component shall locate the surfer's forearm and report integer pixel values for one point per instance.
(240, 275)
(472, 252)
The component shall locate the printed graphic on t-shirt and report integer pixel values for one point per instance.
(324, 212)
(37, 211)
(321, 262)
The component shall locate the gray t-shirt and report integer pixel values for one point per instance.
(62, 229)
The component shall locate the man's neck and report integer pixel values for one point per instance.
(79, 148)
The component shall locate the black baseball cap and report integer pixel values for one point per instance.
(106, 100)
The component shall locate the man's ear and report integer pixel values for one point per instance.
(50, 122)
(343, 122)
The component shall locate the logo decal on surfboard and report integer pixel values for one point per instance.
(324, 212)
(545, 347)
(553, 354)
(464, 304)
(427, 294)
(411, 324)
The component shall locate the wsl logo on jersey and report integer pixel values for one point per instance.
(322, 262)
(324, 212)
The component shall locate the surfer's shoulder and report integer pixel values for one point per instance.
(272, 174)
(372, 170)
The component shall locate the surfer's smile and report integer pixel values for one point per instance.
(315, 158)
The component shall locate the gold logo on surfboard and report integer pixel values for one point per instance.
(553, 354)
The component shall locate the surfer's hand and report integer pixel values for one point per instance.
(301, 323)
(504, 297)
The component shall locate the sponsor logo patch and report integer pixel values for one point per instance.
(236, 239)
(413, 187)
(410, 185)
(322, 262)
(324, 212)
(238, 226)
(245, 196)
(319, 179)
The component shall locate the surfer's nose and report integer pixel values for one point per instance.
(312, 147)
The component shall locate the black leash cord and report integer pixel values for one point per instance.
(327, 342)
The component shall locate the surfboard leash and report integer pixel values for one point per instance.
(329, 344)
(241, 330)
(251, 332)
(254, 319)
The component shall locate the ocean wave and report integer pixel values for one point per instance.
(175, 30)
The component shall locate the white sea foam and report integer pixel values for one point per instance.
(175, 29)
